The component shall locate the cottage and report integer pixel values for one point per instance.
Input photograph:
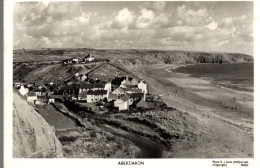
(75, 60)
(69, 61)
(31, 96)
(122, 103)
(143, 86)
(72, 89)
(17, 84)
(88, 58)
(38, 92)
(54, 98)
(97, 95)
(100, 94)
(23, 91)
(51, 100)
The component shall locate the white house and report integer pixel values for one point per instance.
(23, 91)
(31, 97)
(122, 103)
(17, 84)
(108, 87)
(96, 95)
(51, 100)
(38, 92)
(90, 58)
(75, 60)
(143, 86)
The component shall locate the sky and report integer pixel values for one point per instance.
(194, 26)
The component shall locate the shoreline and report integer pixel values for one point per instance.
(221, 118)
(221, 84)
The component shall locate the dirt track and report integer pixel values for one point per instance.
(223, 131)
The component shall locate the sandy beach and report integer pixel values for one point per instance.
(225, 116)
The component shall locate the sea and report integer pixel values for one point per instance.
(238, 76)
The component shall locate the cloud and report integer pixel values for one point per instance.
(192, 17)
(156, 5)
(145, 19)
(123, 19)
(163, 25)
(213, 25)
(231, 21)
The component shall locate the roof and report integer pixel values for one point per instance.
(142, 103)
(100, 92)
(30, 94)
(127, 81)
(56, 96)
(119, 90)
(85, 85)
(83, 94)
(134, 81)
(112, 96)
(142, 81)
(129, 86)
(90, 92)
(125, 98)
(96, 92)
(98, 85)
(134, 90)
(72, 86)
(136, 95)
(89, 56)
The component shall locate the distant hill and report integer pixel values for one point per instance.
(129, 57)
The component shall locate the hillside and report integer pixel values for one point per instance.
(132, 57)
(33, 137)
(44, 65)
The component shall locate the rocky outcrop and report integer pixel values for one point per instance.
(33, 137)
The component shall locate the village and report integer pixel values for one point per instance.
(104, 88)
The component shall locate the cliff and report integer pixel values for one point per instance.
(182, 57)
(33, 137)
